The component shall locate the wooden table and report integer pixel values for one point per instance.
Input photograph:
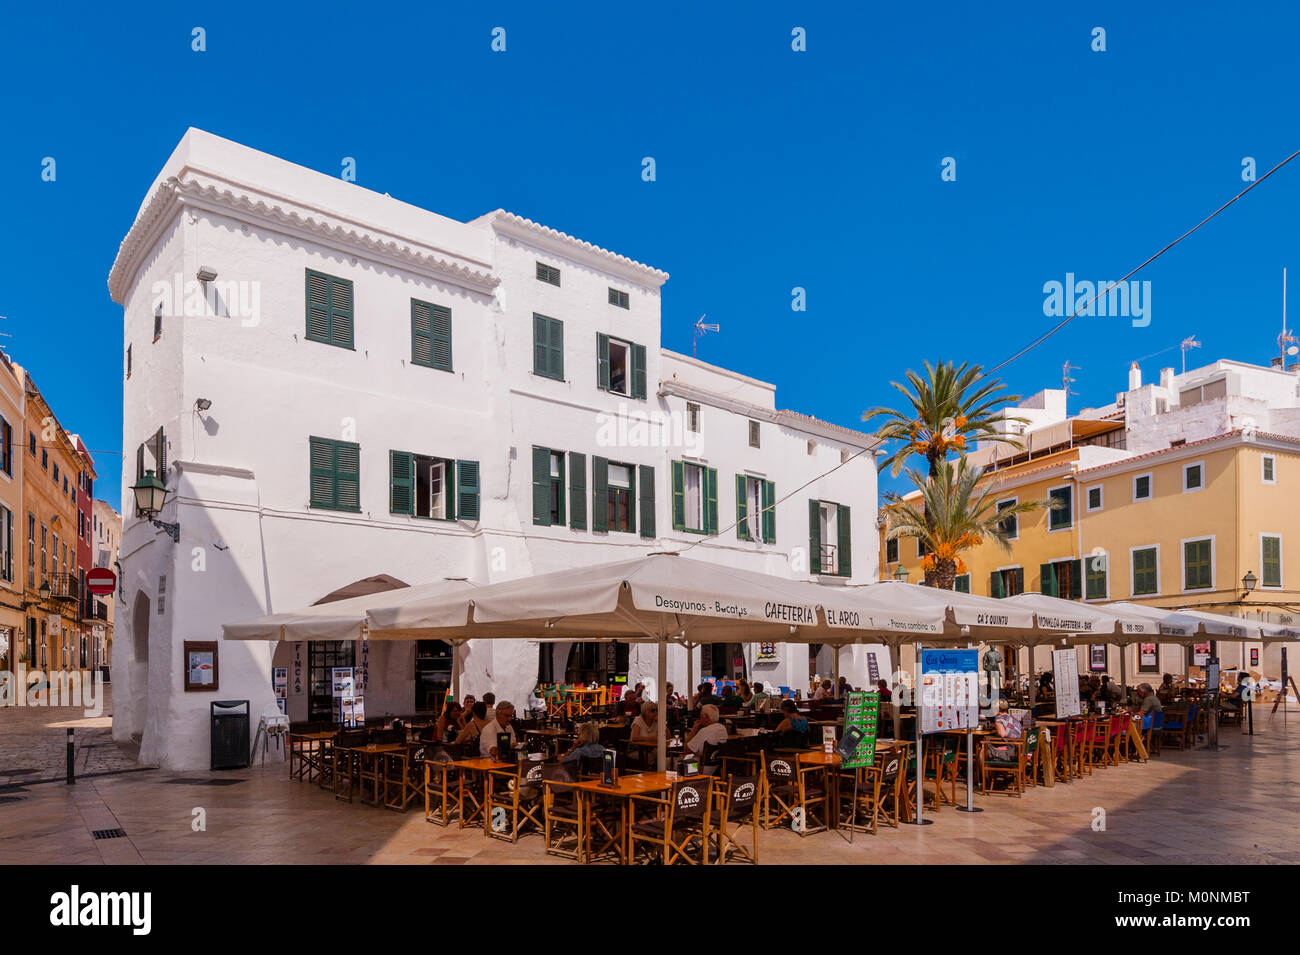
(370, 754)
(580, 702)
(308, 748)
(438, 790)
(484, 766)
(819, 761)
(624, 790)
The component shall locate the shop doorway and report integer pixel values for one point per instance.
(722, 661)
(322, 657)
(432, 674)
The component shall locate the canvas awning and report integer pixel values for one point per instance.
(1054, 617)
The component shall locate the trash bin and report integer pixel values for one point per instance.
(230, 734)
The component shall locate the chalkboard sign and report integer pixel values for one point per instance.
(873, 668)
(861, 711)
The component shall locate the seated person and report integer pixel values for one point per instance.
(759, 700)
(586, 746)
(1005, 726)
(792, 731)
(629, 706)
(704, 697)
(707, 729)
(1167, 691)
(474, 725)
(729, 697)
(1232, 702)
(449, 722)
(644, 726)
(1150, 702)
(886, 694)
(487, 740)
(823, 691)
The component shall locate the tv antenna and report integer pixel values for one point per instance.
(1286, 342)
(1067, 379)
(700, 328)
(1185, 346)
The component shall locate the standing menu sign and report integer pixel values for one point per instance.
(949, 690)
(1065, 676)
(861, 711)
(349, 708)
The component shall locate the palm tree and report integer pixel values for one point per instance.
(949, 405)
(953, 516)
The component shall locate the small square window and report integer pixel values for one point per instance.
(1094, 498)
(548, 274)
(692, 417)
(1193, 477)
(753, 434)
(1270, 469)
(617, 298)
(1142, 487)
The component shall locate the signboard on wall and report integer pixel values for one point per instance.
(873, 668)
(1254, 656)
(1065, 676)
(949, 690)
(1200, 654)
(766, 653)
(1097, 657)
(1147, 657)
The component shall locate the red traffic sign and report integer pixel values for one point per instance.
(101, 580)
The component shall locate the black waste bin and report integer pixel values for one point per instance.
(230, 734)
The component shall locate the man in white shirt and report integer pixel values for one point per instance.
(487, 741)
(707, 729)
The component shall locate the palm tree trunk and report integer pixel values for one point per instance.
(943, 576)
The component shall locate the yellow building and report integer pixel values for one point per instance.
(11, 480)
(1203, 524)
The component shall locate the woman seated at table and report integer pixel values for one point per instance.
(1167, 691)
(745, 694)
(450, 722)
(792, 731)
(475, 725)
(643, 727)
(586, 746)
(1005, 726)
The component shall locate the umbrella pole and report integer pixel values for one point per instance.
(1123, 674)
(661, 724)
(455, 670)
(1033, 684)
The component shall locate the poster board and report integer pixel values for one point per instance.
(1065, 675)
(349, 707)
(1097, 661)
(949, 690)
(1200, 654)
(201, 671)
(873, 669)
(862, 710)
(1148, 659)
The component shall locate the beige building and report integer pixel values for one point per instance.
(106, 533)
(12, 608)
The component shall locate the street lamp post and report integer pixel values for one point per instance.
(150, 494)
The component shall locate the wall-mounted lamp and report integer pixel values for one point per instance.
(206, 274)
(150, 494)
(1249, 582)
(202, 404)
(900, 574)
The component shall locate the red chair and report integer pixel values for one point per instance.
(1079, 732)
(1060, 754)
(1119, 730)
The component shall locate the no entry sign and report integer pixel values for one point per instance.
(100, 581)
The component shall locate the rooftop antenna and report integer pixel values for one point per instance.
(1185, 345)
(700, 328)
(1286, 342)
(1067, 380)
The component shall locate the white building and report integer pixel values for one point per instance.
(362, 388)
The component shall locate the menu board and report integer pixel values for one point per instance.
(1200, 654)
(949, 690)
(861, 710)
(1065, 676)
(349, 707)
(1147, 658)
(873, 668)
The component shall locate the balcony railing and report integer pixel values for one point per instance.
(64, 587)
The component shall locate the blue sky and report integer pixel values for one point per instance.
(775, 169)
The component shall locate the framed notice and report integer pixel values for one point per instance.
(1200, 654)
(766, 652)
(861, 711)
(201, 665)
(1148, 661)
(949, 690)
(1254, 656)
(1097, 657)
(1065, 677)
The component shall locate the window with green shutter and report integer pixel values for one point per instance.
(421, 485)
(1146, 580)
(769, 512)
(619, 298)
(548, 487)
(814, 537)
(1095, 585)
(1198, 558)
(430, 335)
(620, 496)
(599, 494)
(548, 274)
(845, 555)
(961, 583)
(548, 347)
(467, 490)
(577, 491)
(647, 488)
(1063, 516)
(335, 475)
(329, 309)
(620, 366)
(695, 498)
(1271, 555)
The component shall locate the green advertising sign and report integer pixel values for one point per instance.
(861, 711)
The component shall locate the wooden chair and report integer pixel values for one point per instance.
(941, 766)
(1152, 724)
(1078, 734)
(1099, 741)
(1060, 752)
(1231, 716)
(561, 812)
(737, 810)
(345, 771)
(681, 824)
(1119, 748)
(1179, 721)
(792, 788)
(440, 780)
(518, 792)
(877, 786)
(1016, 765)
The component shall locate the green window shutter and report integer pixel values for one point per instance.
(679, 496)
(541, 353)
(997, 586)
(1076, 580)
(602, 361)
(322, 473)
(401, 483)
(577, 491)
(1144, 571)
(421, 333)
(541, 486)
(815, 537)
(556, 346)
(711, 500)
(962, 584)
(346, 475)
(467, 491)
(638, 371)
(1272, 551)
(1018, 580)
(1095, 578)
(599, 494)
(1047, 580)
(845, 543)
(647, 501)
(631, 500)
(441, 337)
(1196, 559)
(742, 526)
(329, 309)
(769, 512)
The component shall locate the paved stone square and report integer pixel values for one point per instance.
(1232, 806)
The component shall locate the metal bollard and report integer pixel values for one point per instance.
(72, 765)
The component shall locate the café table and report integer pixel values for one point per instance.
(819, 760)
(624, 790)
(580, 702)
(367, 758)
(307, 749)
(440, 801)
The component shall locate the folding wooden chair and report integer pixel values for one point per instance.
(517, 793)
(1008, 757)
(941, 766)
(736, 811)
(682, 824)
(440, 780)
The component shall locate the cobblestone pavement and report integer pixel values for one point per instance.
(1234, 806)
(33, 743)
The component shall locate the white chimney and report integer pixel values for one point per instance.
(1134, 377)
(1167, 378)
